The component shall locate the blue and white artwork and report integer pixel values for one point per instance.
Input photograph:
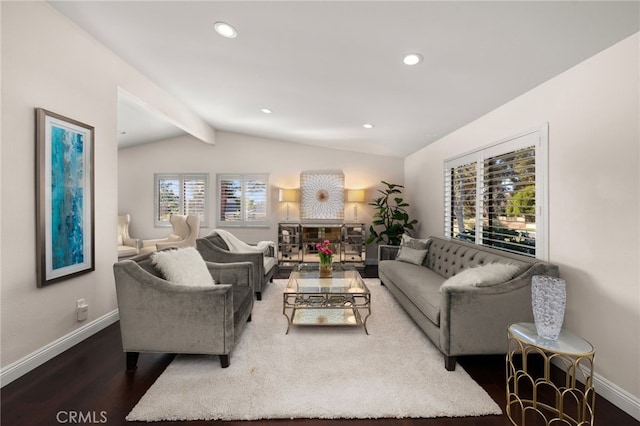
(67, 197)
(65, 232)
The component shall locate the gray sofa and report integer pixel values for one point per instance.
(463, 320)
(214, 249)
(157, 315)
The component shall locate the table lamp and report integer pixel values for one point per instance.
(355, 196)
(288, 196)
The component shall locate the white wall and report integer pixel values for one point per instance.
(593, 114)
(236, 153)
(49, 62)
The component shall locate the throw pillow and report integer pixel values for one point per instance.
(183, 266)
(411, 255)
(414, 243)
(483, 276)
(412, 250)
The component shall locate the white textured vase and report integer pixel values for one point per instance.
(548, 300)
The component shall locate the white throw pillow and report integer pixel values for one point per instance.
(183, 266)
(483, 276)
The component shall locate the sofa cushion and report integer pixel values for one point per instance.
(483, 276)
(418, 283)
(183, 266)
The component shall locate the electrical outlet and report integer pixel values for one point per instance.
(82, 309)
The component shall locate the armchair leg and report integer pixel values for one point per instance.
(258, 295)
(450, 363)
(249, 319)
(132, 361)
(224, 361)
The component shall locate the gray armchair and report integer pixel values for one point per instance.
(157, 315)
(214, 249)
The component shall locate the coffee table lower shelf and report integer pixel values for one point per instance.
(326, 310)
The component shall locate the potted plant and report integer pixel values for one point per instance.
(326, 259)
(391, 215)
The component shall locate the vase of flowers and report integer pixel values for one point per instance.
(326, 259)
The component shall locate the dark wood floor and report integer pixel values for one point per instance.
(90, 379)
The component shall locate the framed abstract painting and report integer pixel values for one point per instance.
(64, 197)
(322, 194)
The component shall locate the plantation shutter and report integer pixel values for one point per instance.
(230, 196)
(460, 199)
(194, 196)
(242, 199)
(496, 196)
(180, 194)
(509, 201)
(168, 202)
(255, 199)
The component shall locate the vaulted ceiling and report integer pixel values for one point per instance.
(326, 68)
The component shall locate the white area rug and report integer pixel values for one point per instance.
(317, 372)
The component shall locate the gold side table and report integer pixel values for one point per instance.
(534, 397)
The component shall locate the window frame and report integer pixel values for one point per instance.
(245, 222)
(538, 139)
(181, 177)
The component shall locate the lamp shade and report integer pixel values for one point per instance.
(355, 195)
(287, 195)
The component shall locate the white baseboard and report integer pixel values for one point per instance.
(614, 394)
(617, 396)
(35, 359)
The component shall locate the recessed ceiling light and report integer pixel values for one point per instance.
(412, 59)
(225, 30)
(368, 126)
(266, 110)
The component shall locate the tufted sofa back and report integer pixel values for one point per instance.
(448, 257)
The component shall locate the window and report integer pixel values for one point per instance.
(242, 199)
(181, 194)
(496, 196)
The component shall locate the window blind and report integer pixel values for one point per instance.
(180, 194)
(242, 199)
(495, 196)
(509, 201)
(460, 201)
(194, 190)
(168, 191)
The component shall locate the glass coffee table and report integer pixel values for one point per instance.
(342, 300)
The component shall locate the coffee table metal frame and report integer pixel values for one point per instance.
(342, 300)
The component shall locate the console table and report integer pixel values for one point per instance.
(297, 242)
(573, 397)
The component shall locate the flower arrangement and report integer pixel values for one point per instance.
(325, 253)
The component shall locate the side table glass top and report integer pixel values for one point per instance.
(567, 342)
